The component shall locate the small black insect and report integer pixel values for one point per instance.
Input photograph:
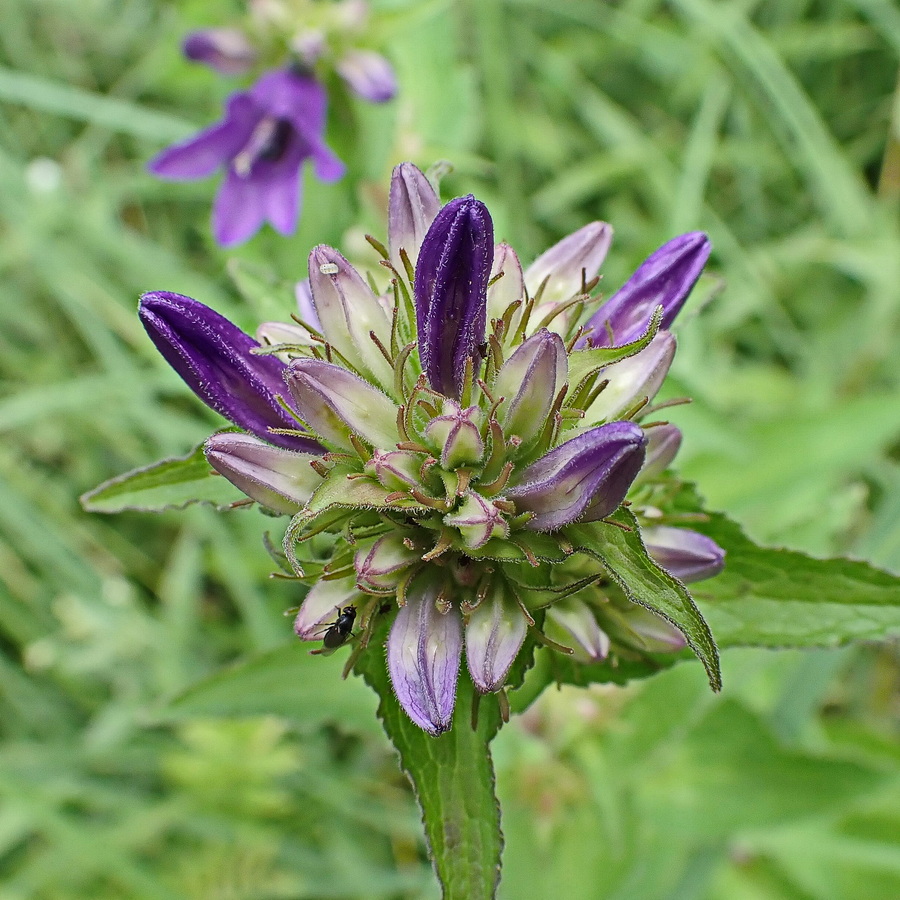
(338, 632)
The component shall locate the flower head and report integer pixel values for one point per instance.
(268, 132)
(465, 453)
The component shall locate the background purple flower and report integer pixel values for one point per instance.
(267, 134)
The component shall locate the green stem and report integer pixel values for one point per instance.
(453, 779)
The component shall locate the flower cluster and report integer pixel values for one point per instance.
(270, 130)
(460, 432)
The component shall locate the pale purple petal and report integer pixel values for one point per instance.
(279, 479)
(572, 623)
(239, 210)
(495, 633)
(322, 606)
(510, 286)
(633, 378)
(214, 358)
(663, 443)
(688, 555)
(423, 654)
(451, 291)
(562, 265)
(412, 206)
(664, 279)
(586, 477)
(306, 308)
(368, 74)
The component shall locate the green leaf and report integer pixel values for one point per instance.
(170, 484)
(585, 362)
(286, 681)
(623, 555)
(453, 779)
(781, 598)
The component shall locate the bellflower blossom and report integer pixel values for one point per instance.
(261, 144)
(453, 429)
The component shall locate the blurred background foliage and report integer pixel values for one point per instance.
(775, 126)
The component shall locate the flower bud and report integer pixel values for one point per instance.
(451, 291)
(576, 257)
(495, 633)
(397, 470)
(274, 334)
(412, 207)
(348, 313)
(530, 380)
(322, 606)
(336, 403)
(633, 378)
(510, 286)
(423, 653)
(456, 435)
(664, 279)
(369, 75)
(215, 360)
(478, 520)
(280, 480)
(226, 50)
(378, 567)
(688, 555)
(571, 622)
(663, 443)
(586, 477)
(306, 307)
(640, 628)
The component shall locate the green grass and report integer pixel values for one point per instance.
(764, 123)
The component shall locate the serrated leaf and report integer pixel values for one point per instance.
(623, 555)
(286, 681)
(585, 362)
(453, 778)
(169, 484)
(781, 598)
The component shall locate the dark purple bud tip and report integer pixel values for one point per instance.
(214, 358)
(585, 478)
(665, 278)
(452, 275)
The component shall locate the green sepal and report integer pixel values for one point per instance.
(623, 555)
(169, 484)
(543, 547)
(583, 363)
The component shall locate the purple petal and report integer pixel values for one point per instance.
(451, 291)
(495, 633)
(201, 155)
(688, 555)
(305, 305)
(239, 210)
(281, 480)
(226, 50)
(214, 358)
(423, 653)
(586, 477)
(412, 207)
(664, 279)
(562, 265)
(368, 74)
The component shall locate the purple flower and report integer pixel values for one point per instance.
(686, 554)
(584, 478)
(215, 359)
(663, 444)
(451, 291)
(226, 50)
(423, 653)
(267, 134)
(495, 633)
(368, 75)
(664, 278)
